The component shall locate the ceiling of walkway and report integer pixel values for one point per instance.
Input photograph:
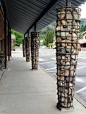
(24, 14)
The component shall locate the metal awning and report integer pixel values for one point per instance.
(24, 14)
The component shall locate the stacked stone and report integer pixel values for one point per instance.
(34, 49)
(2, 62)
(67, 35)
(28, 49)
(24, 46)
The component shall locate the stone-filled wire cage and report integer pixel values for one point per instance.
(28, 45)
(34, 49)
(67, 35)
(2, 62)
(24, 46)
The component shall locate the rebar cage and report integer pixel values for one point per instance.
(24, 47)
(34, 49)
(2, 62)
(67, 35)
(28, 43)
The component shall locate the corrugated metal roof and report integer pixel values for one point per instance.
(23, 13)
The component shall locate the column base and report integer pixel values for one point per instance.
(27, 60)
(34, 68)
(8, 58)
(64, 108)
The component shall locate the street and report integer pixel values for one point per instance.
(47, 59)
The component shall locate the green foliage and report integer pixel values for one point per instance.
(44, 31)
(83, 28)
(1, 53)
(44, 42)
(50, 44)
(80, 36)
(19, 37)
(49, 37)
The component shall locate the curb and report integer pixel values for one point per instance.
(81, 101)
(47, 73)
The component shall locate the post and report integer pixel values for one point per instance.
(28, 48)
(5, 44)
(34, 49)
(10, 39)
(68, 3)
(8, 42)
(1, 45)
(24, 46)
(67, 35)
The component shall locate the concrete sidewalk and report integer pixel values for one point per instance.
(23, 91)
(1, 74)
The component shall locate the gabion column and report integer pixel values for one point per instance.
(28, 49)
(67, 35)
(23, 46)
(2, 62)
(34, 49)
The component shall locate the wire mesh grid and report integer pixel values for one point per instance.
(28, 43)
(2, 62)
(24, 46)
(34, 49)
(67, 35)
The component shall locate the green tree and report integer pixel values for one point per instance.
(19, 37)
(49, 37)
(82, 28)
(44, 31)
(44, 42)
(85, 28)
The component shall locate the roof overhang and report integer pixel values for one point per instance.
(25, 14)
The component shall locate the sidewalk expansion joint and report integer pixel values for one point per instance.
(29, 92)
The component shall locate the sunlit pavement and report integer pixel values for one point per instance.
(23, 91)
(17, 52)
(47, 60)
